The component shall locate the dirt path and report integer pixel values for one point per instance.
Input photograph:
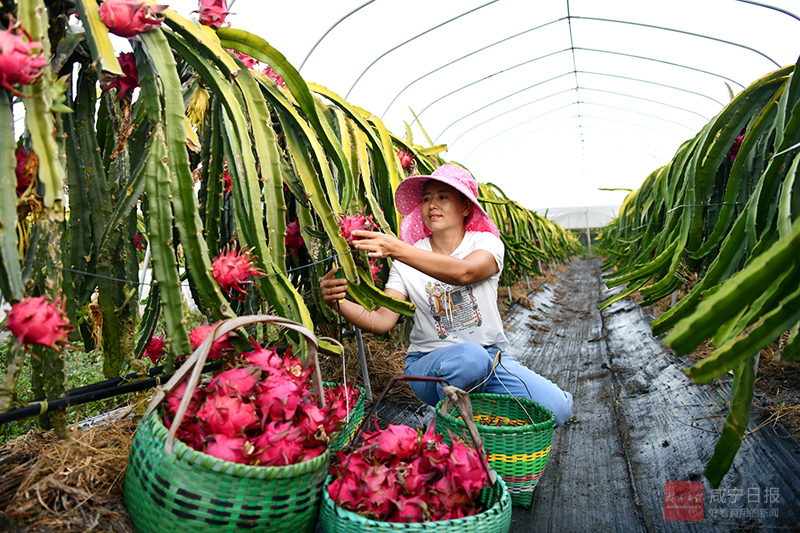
(639, 423)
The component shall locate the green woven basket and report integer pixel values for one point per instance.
(195, 492)
(342, 438)
(519, 449)
(495, 519)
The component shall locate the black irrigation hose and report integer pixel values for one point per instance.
(91, 393)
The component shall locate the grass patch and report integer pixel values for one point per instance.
(81, 369)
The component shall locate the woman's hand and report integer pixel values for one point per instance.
(377, 245)
(333, 289)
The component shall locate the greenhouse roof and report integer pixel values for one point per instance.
(551, 101)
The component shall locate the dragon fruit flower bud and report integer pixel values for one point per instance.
(37, 320)
(212, 12)
(20, 59)
(129, 18)
(232, 268)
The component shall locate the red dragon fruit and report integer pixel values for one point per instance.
(129, 18)
(260, 414)
(37, 320)
(268, 72)
(405, 159)
(249, 61)
(126, 84)
(232, 268)
(173, 400)
(212, 12)
(279, 396)
(398, 476)
(155, 348)
(235, 381)
(262, 357)
(350, 223)
(219, 349)
(228, 448)
(397, 441)
(20, 58)
(293, 239)
(228, 415)
(375, 268)
(24, 178)
(228, 182)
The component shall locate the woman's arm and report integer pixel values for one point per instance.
(378, 321)
(477, 266)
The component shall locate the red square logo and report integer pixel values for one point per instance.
(683, 501)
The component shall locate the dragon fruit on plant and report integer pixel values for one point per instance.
(350, 223)
(21, 60)
(268, 72)
(212, 13)
(126, 84)
(37, 320)
(155, 348)
(24, 177)
(293, 239)
(232, 268)
(129, 18)
(405, 159)
(398, 475)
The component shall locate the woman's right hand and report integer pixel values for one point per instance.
(333, 289)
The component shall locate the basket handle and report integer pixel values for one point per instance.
(198, 358)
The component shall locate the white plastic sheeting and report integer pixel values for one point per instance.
(550, 100)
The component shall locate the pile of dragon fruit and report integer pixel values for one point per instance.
(262, 413)
(400, 474)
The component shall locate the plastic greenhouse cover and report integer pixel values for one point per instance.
(549, 100)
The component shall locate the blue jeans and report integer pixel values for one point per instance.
(466, 365)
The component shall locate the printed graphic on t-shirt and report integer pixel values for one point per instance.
(453, 308)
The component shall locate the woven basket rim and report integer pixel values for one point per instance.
(214, 464)
(495, 511)
(544, 425)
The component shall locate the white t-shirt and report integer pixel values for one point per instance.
(449, 314)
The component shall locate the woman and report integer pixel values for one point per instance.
(447, 262)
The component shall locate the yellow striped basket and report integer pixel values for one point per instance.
(517, 434)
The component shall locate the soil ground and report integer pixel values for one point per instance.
(639, 424)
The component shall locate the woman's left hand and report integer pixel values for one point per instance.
(376, 244)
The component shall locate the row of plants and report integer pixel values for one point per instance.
(718, 221)
(204, 151)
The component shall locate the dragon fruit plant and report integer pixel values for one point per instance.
(401, 475)
(262, 413)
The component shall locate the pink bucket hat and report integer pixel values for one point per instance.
(408, 199)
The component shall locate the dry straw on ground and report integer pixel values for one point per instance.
(67, 486)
